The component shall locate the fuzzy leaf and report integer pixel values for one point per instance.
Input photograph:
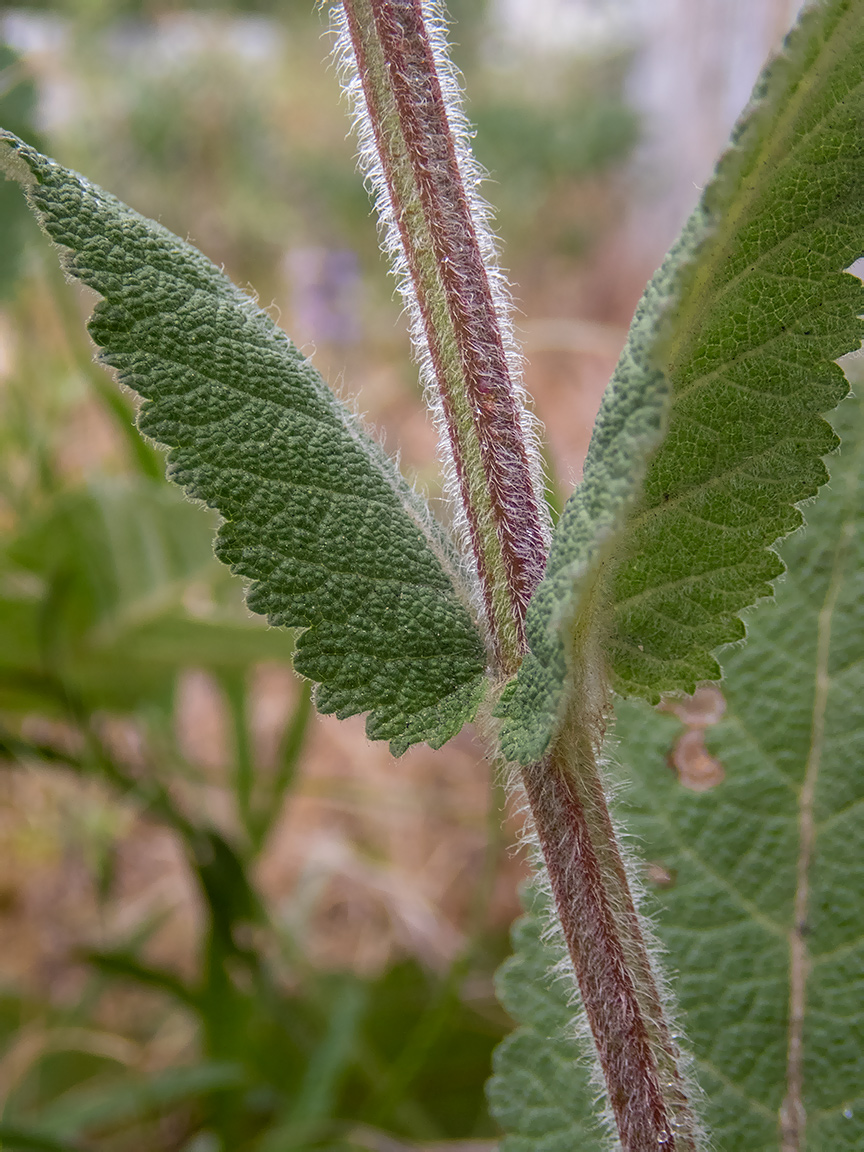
(735, 857)
(315, 515)
(791, 745)
(710, 433)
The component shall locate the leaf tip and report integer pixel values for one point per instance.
(13, 160)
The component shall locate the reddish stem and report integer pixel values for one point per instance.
(433, 215)
(422, 116)
(604, 940)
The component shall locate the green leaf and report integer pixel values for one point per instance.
(315, 515)
(126, 965)
(331, 1057)
(785, 824)
(112, 590)
(670, 534)
(22, 1138)
(120, 1101)
(540, 1092)
(791, 744)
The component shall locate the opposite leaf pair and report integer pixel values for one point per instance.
(708, 437)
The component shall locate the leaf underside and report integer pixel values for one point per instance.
(733, 859)
(315, 515)
(710, 433)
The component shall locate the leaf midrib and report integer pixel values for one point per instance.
(800, 960)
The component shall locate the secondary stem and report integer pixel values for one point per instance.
(605, 942)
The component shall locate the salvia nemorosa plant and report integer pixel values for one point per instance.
(708, 438)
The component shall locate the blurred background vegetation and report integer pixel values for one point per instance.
(227, 924)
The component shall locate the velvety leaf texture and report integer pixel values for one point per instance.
(786, 822)
(670, 534)
(315, 515)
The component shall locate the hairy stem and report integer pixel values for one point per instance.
(425, 201)
(413, 158)
(605, 943)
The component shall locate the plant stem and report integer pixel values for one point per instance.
(424, 187)
(424, 197)
(605, 943)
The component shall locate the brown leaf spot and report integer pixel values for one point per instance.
(704, 708)
(659, 876)
(697, 769)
